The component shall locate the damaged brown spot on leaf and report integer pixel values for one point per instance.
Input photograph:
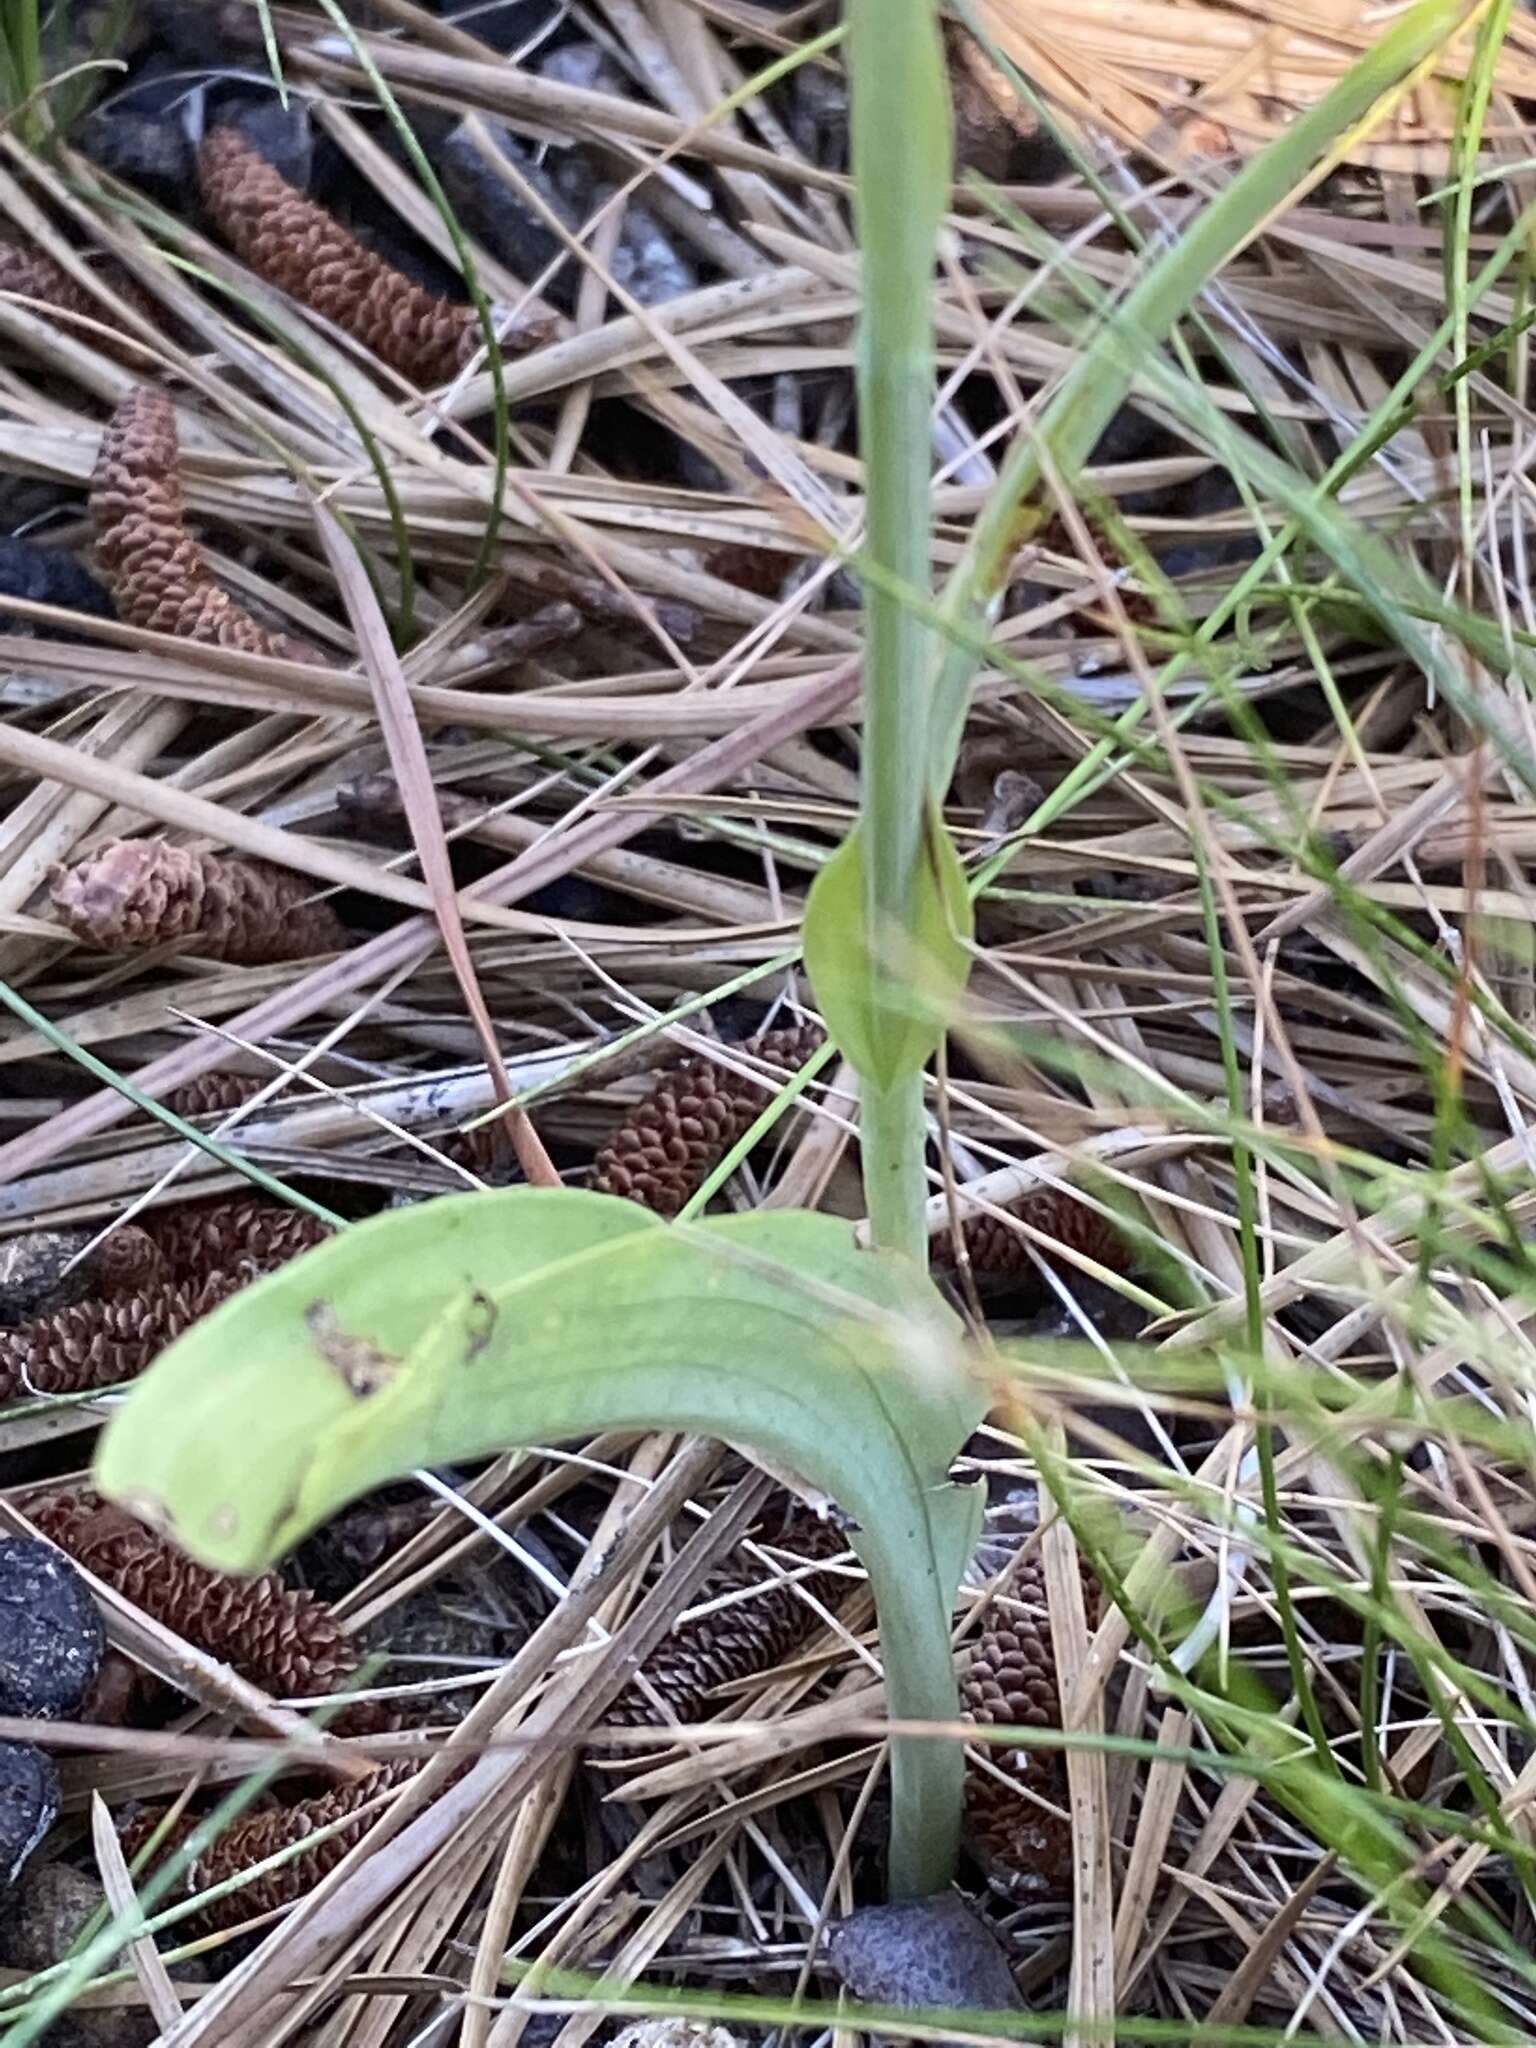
(481, 1323)
(363, 1368)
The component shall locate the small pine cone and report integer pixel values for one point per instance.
(260, 1834)
(760, 570)
(127, 1259)
(667, 1146)
(280, 1638)
(997, 1253)
(30, 274)
(485, 1149)
(739, 1641)
(305, 251)
(101, 1342)
(145, 892)
(158, 575)
(213, 1094)
(42, 1271)
(209, 1237)
(1025, 1850)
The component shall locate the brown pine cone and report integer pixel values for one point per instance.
(305, 251)
(998, 1254)
(127, 1258)
(136, 893)
(45, 1270)
(1025, 1850)
(666, 1147)
(97, 1343)
(157, 572)
(30, 274)
(760, 570)
(262, 1833)
(208, 1237)
(282, 1639)
(213, 1094)
(742, 1640)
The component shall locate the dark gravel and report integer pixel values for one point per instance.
(29, 1805)
(51, 1638)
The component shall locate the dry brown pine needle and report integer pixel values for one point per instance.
(669, 1144)
(746, 1638)
(256, 1836)
(159, 578)
(206, 1237)
(295, 244)
(99, 1342)
(136, 893)
(280, 1638)
(1025, 1849)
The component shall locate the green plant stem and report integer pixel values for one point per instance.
(891, 1132)
(901, 173)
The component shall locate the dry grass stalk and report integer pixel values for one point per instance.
(1439, 832)
(1207, 76)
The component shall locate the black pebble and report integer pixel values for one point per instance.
(47, 576)
(284, 135)
(51, 1637)
(923, 1952)
(29, 1804)
(149, 149)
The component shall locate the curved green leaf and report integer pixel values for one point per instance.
(888, 997)
(468, 1324)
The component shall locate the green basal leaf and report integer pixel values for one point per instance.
(889, 1003)
(464, 1326)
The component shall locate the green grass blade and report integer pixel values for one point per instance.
(1096, 385)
